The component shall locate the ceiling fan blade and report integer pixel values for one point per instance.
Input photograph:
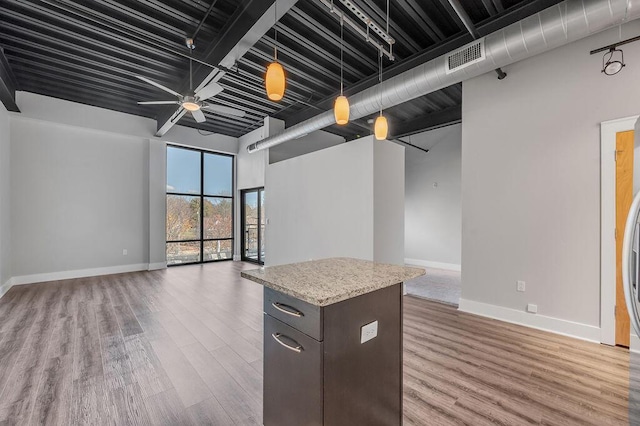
(221, 109)
(198, 115)
(209, 91)
(158, 102)
(159, 86)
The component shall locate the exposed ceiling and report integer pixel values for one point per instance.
(89, 52)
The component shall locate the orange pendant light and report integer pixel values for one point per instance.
(381, 128)
(341, 110)
(275, 81)
(341, 106)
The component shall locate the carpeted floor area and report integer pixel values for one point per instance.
(437, 284)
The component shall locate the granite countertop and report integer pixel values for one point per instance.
(327, 281)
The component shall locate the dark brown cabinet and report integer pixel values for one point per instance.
(317, 371)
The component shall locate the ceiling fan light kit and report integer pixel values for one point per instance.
(194, 102)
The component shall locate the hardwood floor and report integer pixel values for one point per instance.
(183, 346)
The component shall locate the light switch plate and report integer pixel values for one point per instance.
(368, 331)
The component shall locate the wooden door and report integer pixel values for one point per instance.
(624, 197)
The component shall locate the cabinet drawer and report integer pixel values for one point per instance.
(300, 315)
(293, 381)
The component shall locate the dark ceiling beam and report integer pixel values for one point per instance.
(331, 57)
(393, 70)
(464, 17)
(489, 7)
(426, 24)
(42, 51)
(377, 14)
(452, 14)
(8, 84)
(249, 23)
(64, 45)
(499, 6)
(455, 42)
(204, 18)
(448, 116)
(134, 50)
(351, 51)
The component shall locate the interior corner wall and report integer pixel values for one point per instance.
(433, 199)
(326, 204)
(531, 183)
(82, 192)
(5, 201)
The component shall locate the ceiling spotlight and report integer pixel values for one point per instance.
(610, 64)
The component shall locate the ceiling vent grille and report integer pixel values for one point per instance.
(466, 56)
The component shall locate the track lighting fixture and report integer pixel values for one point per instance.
(610, 64)
(613, 59)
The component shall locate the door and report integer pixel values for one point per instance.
(253, 225)
(624, 197)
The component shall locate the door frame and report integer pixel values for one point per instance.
(258, 190)
(608, 131)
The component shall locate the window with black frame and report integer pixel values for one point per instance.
(199, 206)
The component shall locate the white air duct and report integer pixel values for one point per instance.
(556, 26)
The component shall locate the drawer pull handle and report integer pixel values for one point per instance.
(287, 309)
(297, 349)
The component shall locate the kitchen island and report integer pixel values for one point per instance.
(333, 342)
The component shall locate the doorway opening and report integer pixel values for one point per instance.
(615, 135)
(253, 225)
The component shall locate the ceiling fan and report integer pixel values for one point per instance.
(194, 102)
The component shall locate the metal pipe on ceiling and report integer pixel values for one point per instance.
(556, 26)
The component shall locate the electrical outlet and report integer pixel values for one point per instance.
(368, 331)
(531, 308)
(521, 285)
(124, 252)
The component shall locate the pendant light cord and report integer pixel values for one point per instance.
(380, 78)
(341, 55)
(387, 16)
(275, 28)
(190, 69)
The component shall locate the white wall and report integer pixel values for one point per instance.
(5, 205)
(312, 142)
(251, 168)
(79, 198)
(323, 204)
(388, 202)
(531, 183)
(87, 183)
(433, 215)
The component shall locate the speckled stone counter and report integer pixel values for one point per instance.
(327, 281)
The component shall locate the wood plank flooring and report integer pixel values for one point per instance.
(183, 346)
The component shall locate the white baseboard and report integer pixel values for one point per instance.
(540, 322)
(80, 273)
(430, 264)
(158, 265)
(4, 288)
